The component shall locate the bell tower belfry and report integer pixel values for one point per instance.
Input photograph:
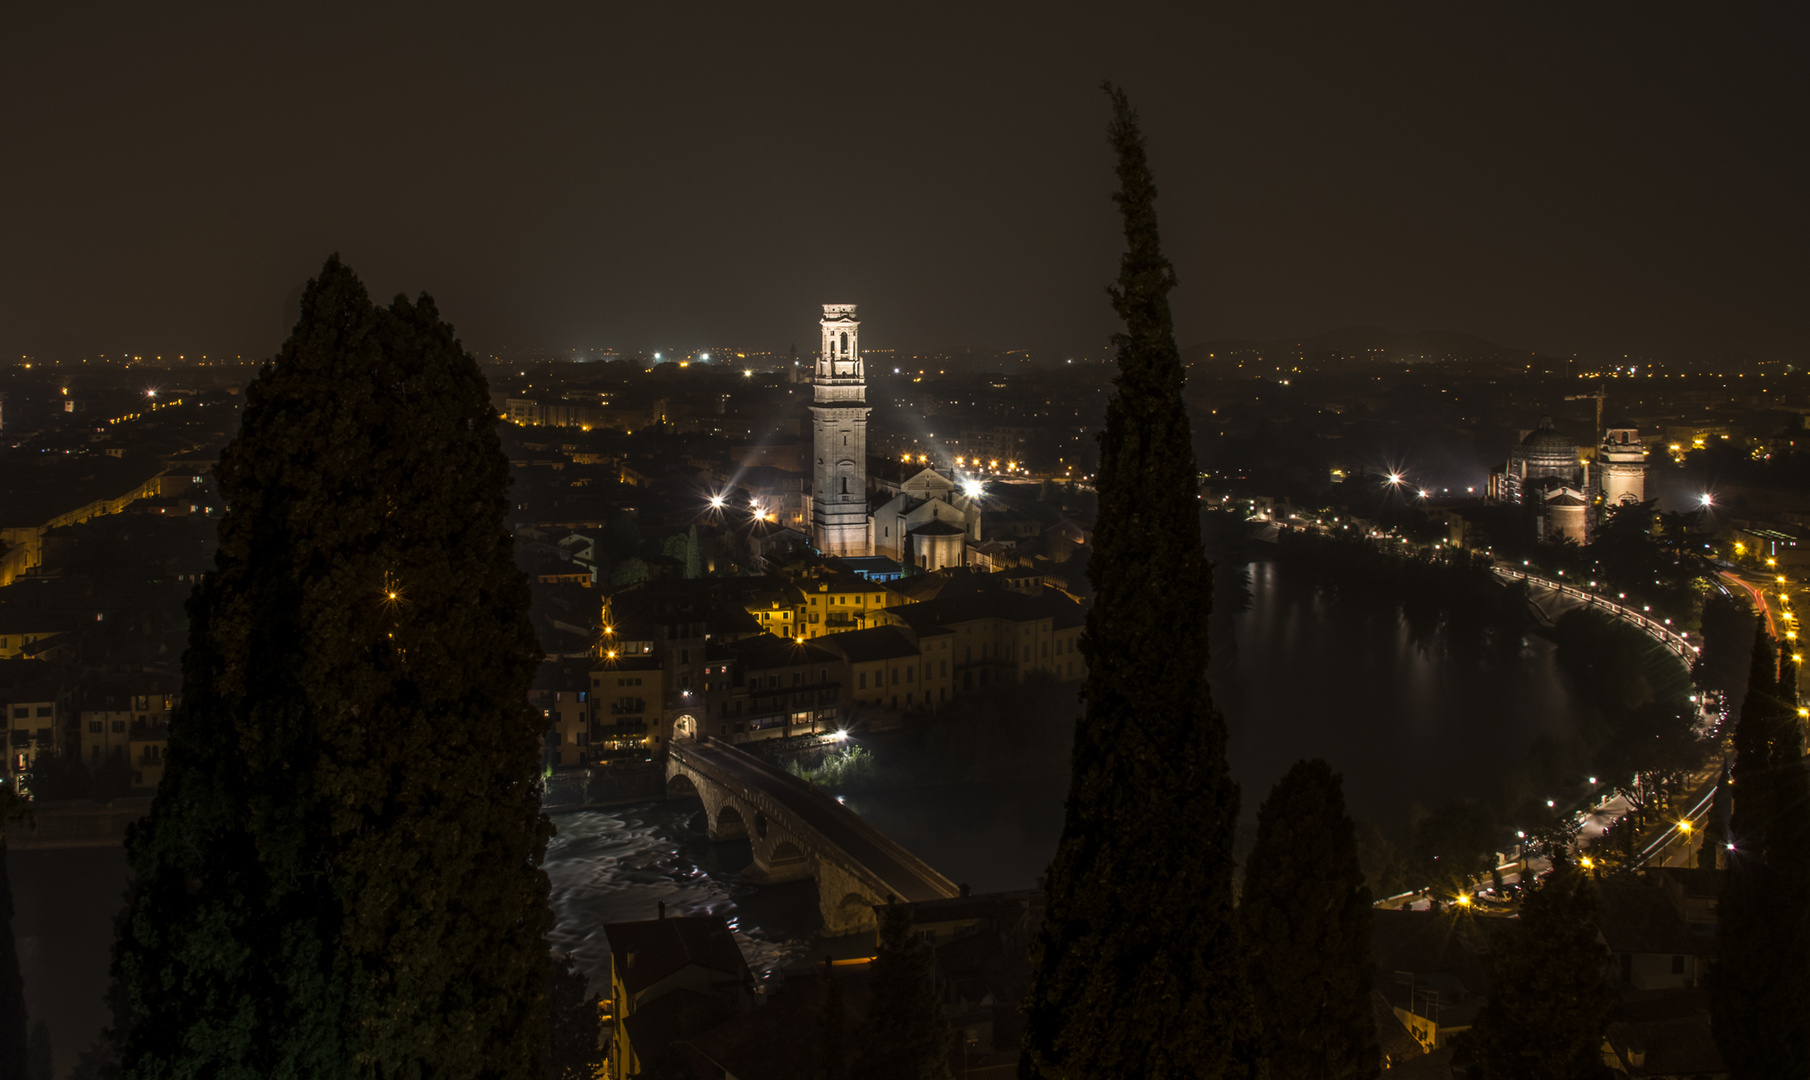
(839, 438)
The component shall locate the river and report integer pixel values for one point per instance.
(1409, 714)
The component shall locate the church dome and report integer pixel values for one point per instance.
(1546, 446)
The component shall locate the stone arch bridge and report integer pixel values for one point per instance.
(797, 831)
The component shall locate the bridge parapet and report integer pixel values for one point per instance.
(796, 830)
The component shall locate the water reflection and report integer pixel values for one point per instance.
(1410, 709)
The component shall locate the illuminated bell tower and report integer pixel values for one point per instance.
(839, 438)
(1624, 466)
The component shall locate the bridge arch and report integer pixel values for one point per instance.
(727, 823)
(796, 831)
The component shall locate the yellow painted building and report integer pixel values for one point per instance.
(625, 708)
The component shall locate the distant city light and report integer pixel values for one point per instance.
(1395, 478)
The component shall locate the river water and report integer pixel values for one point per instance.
(1408, 713)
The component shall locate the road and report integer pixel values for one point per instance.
(819, 812)
(1759, 599)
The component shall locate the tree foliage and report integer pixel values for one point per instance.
(903, 1036)
(1305, 916)
(1650, 752)
(340, 873)
(1549, 1002)
(14, 1044)
(571, 1023)
(1760, 984)
(1136, 969)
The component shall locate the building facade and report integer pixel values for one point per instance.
(839, 524)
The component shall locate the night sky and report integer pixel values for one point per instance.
(677, 176)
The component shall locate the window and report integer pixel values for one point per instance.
(46, 710)
(21, 713)
(863, 680)
(911, 673)
(119, 726)
(895, 676)
(96, 727)
(944, 668)
(1677, 965)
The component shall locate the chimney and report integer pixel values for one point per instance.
(663, 909)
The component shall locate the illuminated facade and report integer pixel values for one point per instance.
(1623, 460)
(839, 522)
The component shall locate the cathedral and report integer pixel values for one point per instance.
(926, 522)
(1547, 471)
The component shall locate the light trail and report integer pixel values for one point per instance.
(1759, 599)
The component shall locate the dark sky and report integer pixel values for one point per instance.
(680, 175)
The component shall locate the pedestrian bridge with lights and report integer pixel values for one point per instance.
(798, 831)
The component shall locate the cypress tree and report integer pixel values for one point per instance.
(41, 1063)
(1715, 825)
(1135, 971)
(832, 1050)
(571, 1023)
(340, 873)
(13, 1041)
(904, 1035)
(1759, 987)
(1549, 1003)
(1305, 916)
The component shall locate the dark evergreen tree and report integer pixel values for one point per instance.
(833, 1050)
(571, 1023)
(41, 1062)
(1136, 969)
(1306, 917)
(1715, 824)
(340, 873)
(13, 1042)
(1549, 1002)
(903, 1036)
(1759, 987)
